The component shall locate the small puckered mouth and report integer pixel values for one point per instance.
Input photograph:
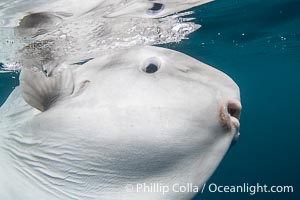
(230, 115)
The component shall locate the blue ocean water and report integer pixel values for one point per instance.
(257, 43)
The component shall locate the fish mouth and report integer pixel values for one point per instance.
(230, 114)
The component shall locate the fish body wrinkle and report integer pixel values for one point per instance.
(143, 115)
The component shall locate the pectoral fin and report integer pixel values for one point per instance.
(41, 92)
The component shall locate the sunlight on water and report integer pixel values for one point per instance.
(41, 34)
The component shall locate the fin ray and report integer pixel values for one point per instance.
(41, 91)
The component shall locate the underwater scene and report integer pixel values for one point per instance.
(256, 43)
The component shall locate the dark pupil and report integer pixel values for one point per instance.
(151, 68)
(156, 7)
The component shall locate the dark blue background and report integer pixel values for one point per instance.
(257, 43)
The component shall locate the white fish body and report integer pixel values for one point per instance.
(146, 115)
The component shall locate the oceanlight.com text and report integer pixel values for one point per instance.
(212, 188)
(247, 188)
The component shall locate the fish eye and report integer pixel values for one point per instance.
(151, 68)
(151, 65)
(156, 8)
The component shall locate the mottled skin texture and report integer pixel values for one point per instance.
(96, 127)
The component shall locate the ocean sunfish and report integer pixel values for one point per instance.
(147, 115)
